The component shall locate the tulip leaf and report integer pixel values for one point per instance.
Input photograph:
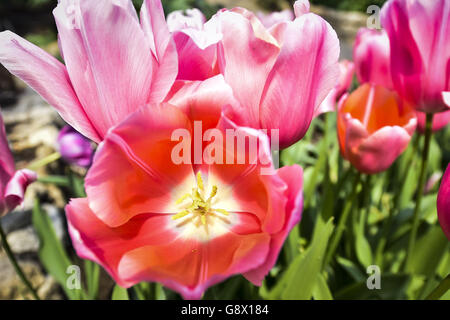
(51, 251)
(362, 246)
(119, 293)
(321, 290)
(299, 280)
(92, 271)
(352, 269)
(430, 249)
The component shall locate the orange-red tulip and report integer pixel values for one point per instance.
(374, 128)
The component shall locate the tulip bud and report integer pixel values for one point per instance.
(443, 203)
(372, 57)
(374, 128)
(74, 147)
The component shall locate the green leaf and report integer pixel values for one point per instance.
(51, 252)
(321, 290)
(352, 269)
(363, 249)
(429, 251)
(119, 293)
(298, 282)
(57, 180)
(92, 271)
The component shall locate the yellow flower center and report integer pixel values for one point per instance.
(200, 207)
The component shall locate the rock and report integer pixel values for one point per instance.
(16, 220)
(58, 222)
(12, 288)
(49, 289)
(23, 240)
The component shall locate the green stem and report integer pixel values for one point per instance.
(441, 289)
(422, 176)
(16, 266)
(45, 161)
(343, 220)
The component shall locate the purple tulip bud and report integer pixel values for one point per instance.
(74, 147)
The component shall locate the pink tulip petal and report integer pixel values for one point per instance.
(381, 149)
(48, 77)
(190, 267)
(446, 96)
(443, 203)
(6, 158)
(273, 18)
(191, 18)
(94, 240)
(347, 70)
(16, 187)
(162, 45)
(133, 172)
(195, 63)
(303, 75)
(245, 61)
(202, 100)
(418, 74)
(301, 7)
(372, 57)
(108, 58)
(293, 177)
(248, 174)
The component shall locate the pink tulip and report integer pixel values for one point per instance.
(347, 70)
(13, 184)
(279, 75)
(371, 54)
(196, 43)
(374, 128)
(273, 18)
(419, 33)
(113, 63)
(186, 226)
(75, 148)
(440, 121)
(191, 19)
(443, 203)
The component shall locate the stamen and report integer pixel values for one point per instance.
(213, 193)
(199, 208)
(182, 198)
(180, 215)
(222, 211)
(200, 181)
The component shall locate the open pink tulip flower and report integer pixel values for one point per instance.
(440, 121)
(443, 203)
(187, 225)
(272, 18)
(374, 127)
(196, 43)
(419, 33)
(114, 62)
(279, 75)
(371, 54)
(13, 184)
(347, 71)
